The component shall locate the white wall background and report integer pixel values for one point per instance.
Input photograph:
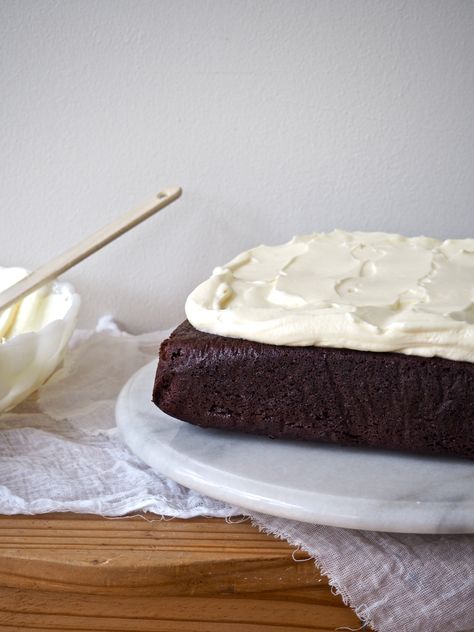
(276, 117)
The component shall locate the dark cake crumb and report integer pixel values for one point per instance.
(341, 396)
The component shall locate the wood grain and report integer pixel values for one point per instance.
(70, 572)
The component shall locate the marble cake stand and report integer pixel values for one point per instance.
(342, 487)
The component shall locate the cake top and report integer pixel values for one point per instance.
(367, 291)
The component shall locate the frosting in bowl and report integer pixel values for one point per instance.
(34, 336)
(34, 311)
(367, 291)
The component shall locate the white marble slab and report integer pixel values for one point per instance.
(344, 487)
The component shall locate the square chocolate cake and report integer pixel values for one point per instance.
(356, 339)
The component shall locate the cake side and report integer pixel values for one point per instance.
(341, 396)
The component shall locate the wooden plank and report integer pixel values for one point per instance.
(68, 572)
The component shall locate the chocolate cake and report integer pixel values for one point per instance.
(357, 339)
(341, 396)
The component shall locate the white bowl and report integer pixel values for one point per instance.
(36, 333)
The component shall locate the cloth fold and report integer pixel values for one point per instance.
(60, 451)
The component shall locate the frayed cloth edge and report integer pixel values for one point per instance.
(362, 611)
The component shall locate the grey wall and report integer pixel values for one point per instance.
(276, 117)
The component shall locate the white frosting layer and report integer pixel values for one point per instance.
(368, 291)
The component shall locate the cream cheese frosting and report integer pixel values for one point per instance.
(366, 291)
(34, 335)
(33, 312)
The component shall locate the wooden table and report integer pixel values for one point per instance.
(70, 572)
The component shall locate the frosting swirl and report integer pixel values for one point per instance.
(367, 291)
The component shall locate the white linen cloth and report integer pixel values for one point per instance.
(60, 451)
